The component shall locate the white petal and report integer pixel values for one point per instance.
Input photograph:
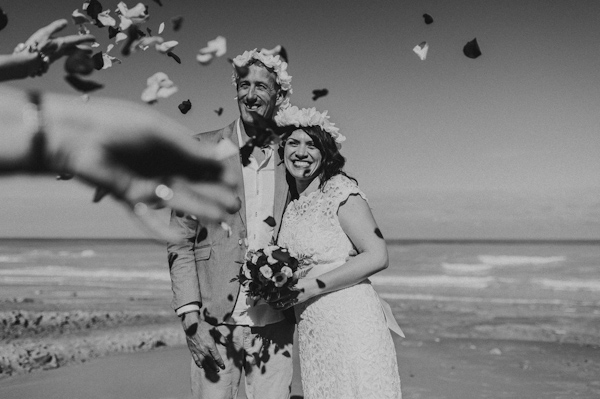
(204, 59)
(149, 94)
(161, 28)
(106, 19)
(421, 50)
(120, 36)
(166, 46)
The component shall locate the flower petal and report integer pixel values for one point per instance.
(185, 106)
(161, 28)
(421, 50)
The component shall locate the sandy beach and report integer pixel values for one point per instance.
(74, 323)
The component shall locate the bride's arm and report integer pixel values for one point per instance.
(359, 225)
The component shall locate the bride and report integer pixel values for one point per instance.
(346, 349)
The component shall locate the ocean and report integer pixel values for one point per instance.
(108, 273)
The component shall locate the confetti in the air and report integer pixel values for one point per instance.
(176, 23)
(270, 221)
(161, 28)
(277, 50)
(471, 49)
(93, 8)
(84, 86)
(214, 48)
(98, 60)
(318, 93)
(185, 106)
(219, 111)
(421, 50)
(106, 20)
(174, 56)
(158, 86)
(165, 47)
(108, 59)
(3, 19)
(428, 19)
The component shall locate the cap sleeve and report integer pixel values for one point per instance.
(337, 191)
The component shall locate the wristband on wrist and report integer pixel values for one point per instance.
(33, 119)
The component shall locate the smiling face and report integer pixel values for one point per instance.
(302, 158)
(258, 92)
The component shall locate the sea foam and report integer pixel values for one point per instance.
(434, 281)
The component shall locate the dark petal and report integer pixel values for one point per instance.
(319, 93)
(185, 106)
(270, 221)
(174, 56)
(149, 31)
(283, 54)
(428, 19)
(80, 63)
(177, 22)
(112, 32)
(245, 152)
(3, 19)
(158, 2)
(84, 86)
(202, 235)
(378, 233)
(98, 61)
(321, 284)
(219, 111)
(93, 9)
(471, 49)
(172, 257)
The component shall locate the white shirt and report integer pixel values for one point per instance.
(259, 194)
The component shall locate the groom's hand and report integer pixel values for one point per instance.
(201, 343)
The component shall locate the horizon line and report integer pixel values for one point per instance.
(389, 241)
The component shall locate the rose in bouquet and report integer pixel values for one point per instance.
(268, 271)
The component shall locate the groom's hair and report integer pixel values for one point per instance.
(256, 62)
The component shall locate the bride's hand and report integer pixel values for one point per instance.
(302, 291)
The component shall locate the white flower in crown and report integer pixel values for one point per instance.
(305, 117)
(273, 62)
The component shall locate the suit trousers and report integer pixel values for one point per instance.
(264, 354)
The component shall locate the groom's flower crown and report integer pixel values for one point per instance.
(273, 62)
(306, 117)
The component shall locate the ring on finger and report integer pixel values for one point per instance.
(163, 192)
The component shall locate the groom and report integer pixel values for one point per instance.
(226, 331)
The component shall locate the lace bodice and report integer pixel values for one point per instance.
(310, 225)
(345, 348)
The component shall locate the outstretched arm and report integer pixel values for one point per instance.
(137, 155)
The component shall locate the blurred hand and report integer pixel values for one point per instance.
(51, 48)
(143, 159)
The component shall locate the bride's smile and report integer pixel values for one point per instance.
(302, 158)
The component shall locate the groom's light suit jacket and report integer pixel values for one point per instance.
(202, 267)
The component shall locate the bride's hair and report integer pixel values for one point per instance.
(333, 161)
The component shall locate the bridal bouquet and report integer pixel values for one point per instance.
(269, 270)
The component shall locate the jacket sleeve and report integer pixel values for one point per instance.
(182, 264)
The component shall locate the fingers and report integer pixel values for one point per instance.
(191, 195)
(206, 355)
(44, 33)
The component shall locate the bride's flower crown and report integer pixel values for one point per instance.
(273, 62)
(306, 117)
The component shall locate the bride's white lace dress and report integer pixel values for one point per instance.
(346, 350)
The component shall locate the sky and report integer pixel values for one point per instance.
(502, 146)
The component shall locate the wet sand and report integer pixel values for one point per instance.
(448, 369)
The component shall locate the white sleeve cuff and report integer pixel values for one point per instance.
(187, 309)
